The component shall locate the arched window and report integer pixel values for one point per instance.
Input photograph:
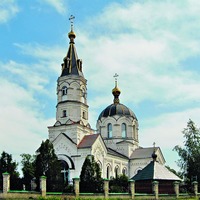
(84, 96)
(64, 93)
(124, 171)
(109, 130)
(100, 165)
(124, 131)
(108, 172)
(84, 114)
(116, 171)
(64, 90)
(64, 113)
(65, 171)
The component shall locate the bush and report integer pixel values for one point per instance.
(119, 184)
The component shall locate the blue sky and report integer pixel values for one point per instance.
(153, 45)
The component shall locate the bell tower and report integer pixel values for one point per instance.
(71, 87)
(72, 107)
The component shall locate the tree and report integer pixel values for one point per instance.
(189, 161)
(28, 169)
(90, 178)
(47, 164)
(10, 166)
(119, 184)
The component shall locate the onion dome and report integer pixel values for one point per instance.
(154, 156)
(116, 92)
(116, 108)
(71, 36)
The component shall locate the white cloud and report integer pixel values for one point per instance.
(40, 72)
(31, 76)
(49, 56)
(146, 44)
(22, 125)
(59, 5)
(166, 131)
(8, 9)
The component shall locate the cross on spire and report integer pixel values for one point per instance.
(71, 19)
(115, 76)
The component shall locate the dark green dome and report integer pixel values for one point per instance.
(117, 109)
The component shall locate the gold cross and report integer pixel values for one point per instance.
(115, 76)
(71, 21)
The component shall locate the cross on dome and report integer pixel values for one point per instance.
(71, 34)
(71, 19)
(115, 76)
(116, 91)
(154, 156)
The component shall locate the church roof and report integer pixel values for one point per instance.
(72, 65)
(88, 141)
(115, 153)
(155, 171)
(141, 153)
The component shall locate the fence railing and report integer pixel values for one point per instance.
(76, 184)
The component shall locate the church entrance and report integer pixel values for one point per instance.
(65, 172)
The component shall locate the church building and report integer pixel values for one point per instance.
(115, 145)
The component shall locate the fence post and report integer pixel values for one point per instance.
(155, 188)
(132, 188)
(195, 187)
(106, 188)
(6, 182)
(76, 182)
(43, 185)
(176, 188)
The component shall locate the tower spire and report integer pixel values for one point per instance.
(116, 91)
(72, 65)
(71, 34)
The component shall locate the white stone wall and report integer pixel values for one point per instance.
(74, 131)
(117, 121)
(74, 102)
(115, 162)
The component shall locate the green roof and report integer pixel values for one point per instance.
(155, 171)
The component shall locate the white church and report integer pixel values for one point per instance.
(115, 144)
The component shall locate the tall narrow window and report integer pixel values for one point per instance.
(109, 130)
(134, 132)
(116, 171)
(64, 93)
(124, 132)
(84, 115)
(64, 90)
(124, 171)
(100, 166)
(64, 113)
(108, 172)
(84, 96)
